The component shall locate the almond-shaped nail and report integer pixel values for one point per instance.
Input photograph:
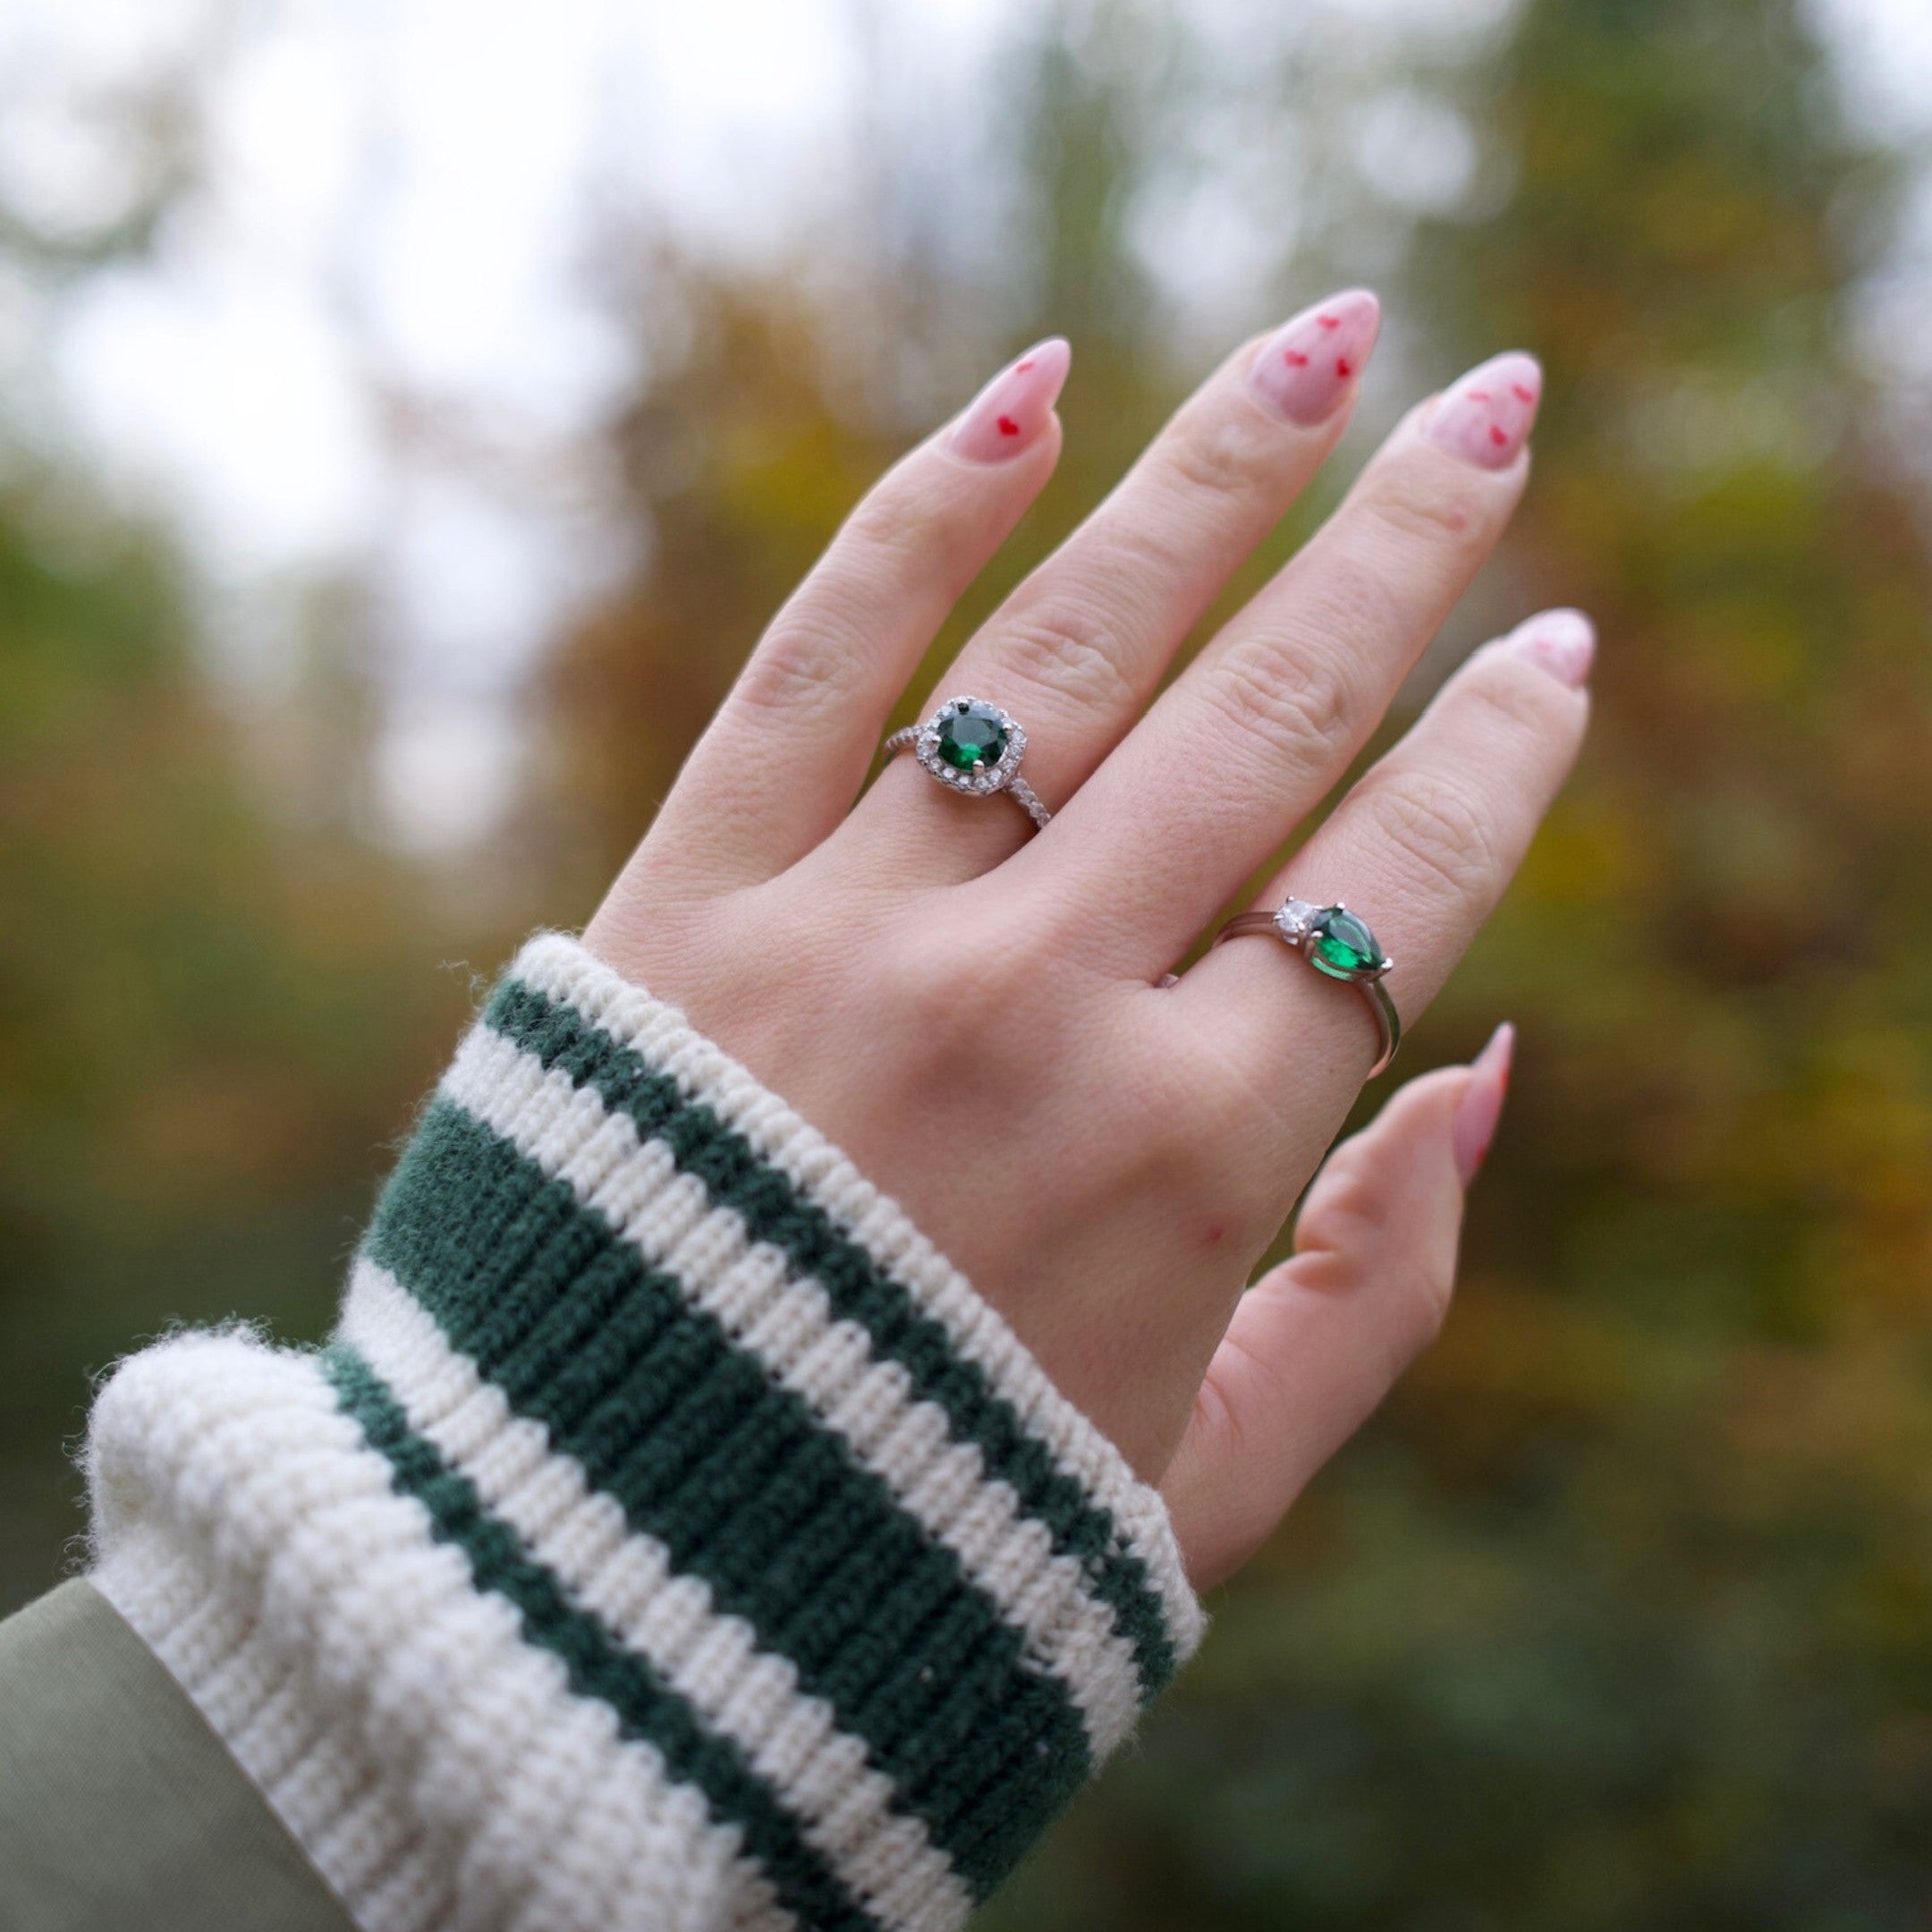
(1008, 415)
(1562, 642)
(1474, 1128)
(1485, 417)
(1309, 365)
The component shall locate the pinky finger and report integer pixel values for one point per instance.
(1317, 1343)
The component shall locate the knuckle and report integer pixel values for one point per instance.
(799, 661)
(1063, 644)
(1218, 455)
(1423, 1295)
(892, 525)
(1442, 837)
(1412, 1287)
(1213, 1133)
(1352, 1205)
(1429, 503)
(889, 546)
(950, 993)
(1356, 593)
(1307, 707)
(1518, 696)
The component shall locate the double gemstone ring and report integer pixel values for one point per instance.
(1336, 944)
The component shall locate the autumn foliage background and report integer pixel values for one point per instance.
(1621, 1614)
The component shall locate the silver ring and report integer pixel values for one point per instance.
(1338, 945)
(972, 747)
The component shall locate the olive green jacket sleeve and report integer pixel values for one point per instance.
(119, 1807)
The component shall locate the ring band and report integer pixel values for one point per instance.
(1339, 946)
(972, 747)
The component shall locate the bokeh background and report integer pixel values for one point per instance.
(409, 414)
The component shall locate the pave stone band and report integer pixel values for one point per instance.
(1339, 946)
(974, 748)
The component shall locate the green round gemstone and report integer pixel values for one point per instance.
(1341, 947)
(971, 735)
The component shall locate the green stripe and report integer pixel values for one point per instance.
(775, 1210)
(647, 1707)
(736, 1475)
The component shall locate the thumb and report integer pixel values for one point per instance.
(1317, 1342)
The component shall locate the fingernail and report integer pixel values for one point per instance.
(1474, 1127)
(1485, 417)
(1008, 414)
(1309, 365)
(1563, 642)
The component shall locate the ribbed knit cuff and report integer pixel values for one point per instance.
(669, 1537)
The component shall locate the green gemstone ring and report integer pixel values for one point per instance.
(1336, 942)
(972, 747)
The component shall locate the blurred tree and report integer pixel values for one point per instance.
(210, 1020)
(218, 997)
(1622, 1615)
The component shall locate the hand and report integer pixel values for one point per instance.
(976, 1012)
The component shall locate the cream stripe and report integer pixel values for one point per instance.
(561, 967)
(314, 1774)
(844, 1807)
(210, 1454)
(788, 1323)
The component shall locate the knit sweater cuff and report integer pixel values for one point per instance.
(669, 1537)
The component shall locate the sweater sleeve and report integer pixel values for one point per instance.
(668, 1536)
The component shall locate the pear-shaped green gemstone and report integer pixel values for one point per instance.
(1341, 947)
(971, 735)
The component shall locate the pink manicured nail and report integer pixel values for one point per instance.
(1485, 417)
(1563, 642)
(1309, 365)
(1008, 414)
(1477, 1114)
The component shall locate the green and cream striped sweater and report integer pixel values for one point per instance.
(667, 1537)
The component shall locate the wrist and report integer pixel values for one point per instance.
(652, 1381)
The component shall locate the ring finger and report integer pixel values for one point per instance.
(1422, 847)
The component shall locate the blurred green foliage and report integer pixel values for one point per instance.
(210, 1018)
(1621, 1614)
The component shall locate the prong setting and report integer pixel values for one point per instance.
(983, 775)
(1332, 941)
(972, 746)
(1339, 946)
